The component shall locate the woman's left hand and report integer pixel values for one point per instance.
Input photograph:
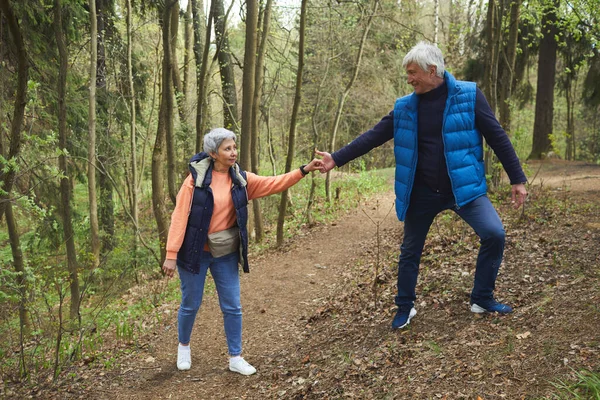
(315, 165)
(169, 267)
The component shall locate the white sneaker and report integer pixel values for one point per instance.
(184, 358)
(241, 366)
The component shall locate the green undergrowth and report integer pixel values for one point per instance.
(348, 190)
(584, 385)
(124, 297)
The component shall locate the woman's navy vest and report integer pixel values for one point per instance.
(201, 211)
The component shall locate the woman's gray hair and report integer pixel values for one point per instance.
(425, 54)
(214, 138)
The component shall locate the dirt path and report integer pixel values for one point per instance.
(283, 291)
(282, 288)
(575, 176)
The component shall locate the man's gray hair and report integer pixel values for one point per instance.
(425, 54)
(214, 138)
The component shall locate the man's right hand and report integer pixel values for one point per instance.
(169, 267)
(328, 163)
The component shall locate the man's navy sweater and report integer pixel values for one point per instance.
(431, 166)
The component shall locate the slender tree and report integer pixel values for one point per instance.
(132, 132)
(316, 135)
(188, 56)
(248, 81)
(163, 144)
(230, 107)
(9, 171)
(436, 20)
(65, 184)
(177, 83)
(93, 202)
(106, 204)
(198, 22)
(258, 84)
(202, 71)
(346, 92)
(492, 30)
(490, 83)
(167, 95)
(544, 100)
(508, 65)
(574, 55)
(293, 121)
(22, 287)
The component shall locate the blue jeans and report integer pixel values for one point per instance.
(224, 271)
(425, 204)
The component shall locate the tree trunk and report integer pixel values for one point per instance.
(259, 230)
(158, 181)
(570, 139)
(177, 84)
(230, 108)
(167, 97)
(313, 186)
(132, 134)
(17, 254)
(493, 28)
(8, 172)
(506, 80)
(267, 117)
(344, 95)
(187, 59)
(452, 51)
(295, 108)
(65, 185)
(201, 70)
(199, 32)
(544, 100)
(436, 20)
(106, 205)
(248, 81)
(491, 40)
(93, 202)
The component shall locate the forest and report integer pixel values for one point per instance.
(103, 103)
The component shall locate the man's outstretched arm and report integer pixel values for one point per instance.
(378, 135)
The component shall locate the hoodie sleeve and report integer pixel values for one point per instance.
(496, 137)
(179, 218)
(261, 186)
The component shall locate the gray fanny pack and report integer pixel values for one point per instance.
(224, 242)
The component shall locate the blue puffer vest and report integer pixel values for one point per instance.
(196, 232)
(463, 145)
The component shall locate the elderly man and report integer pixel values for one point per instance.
(438, 147)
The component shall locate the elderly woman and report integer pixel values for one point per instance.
(208, 231)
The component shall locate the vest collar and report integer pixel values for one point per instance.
(451, 83)
(201, 163)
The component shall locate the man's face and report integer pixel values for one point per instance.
(422, 81)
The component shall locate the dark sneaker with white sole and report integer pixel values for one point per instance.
(490, 306)
(403, 317)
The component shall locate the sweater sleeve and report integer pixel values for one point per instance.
(374, 137)
(261, 186)
(179, 218)
(496, 137)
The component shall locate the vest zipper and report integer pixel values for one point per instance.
(450, 99)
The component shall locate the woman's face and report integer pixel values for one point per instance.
(226, 155)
